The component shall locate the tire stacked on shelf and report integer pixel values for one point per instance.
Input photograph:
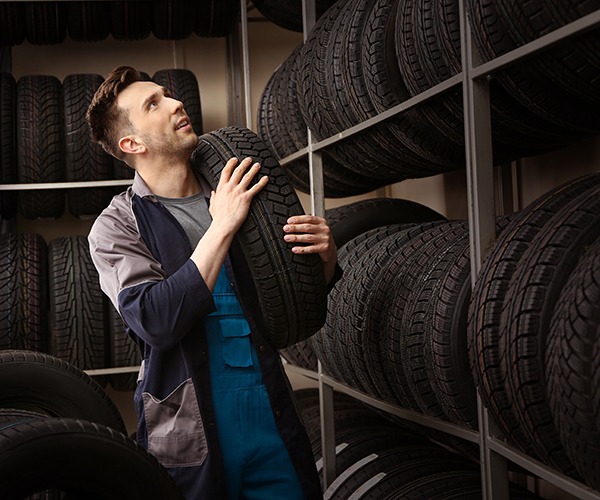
(84, 159)
(364, 57)
(347, 222)
(40, 144)
(50, 23)
(516, 303)
(396, 323)
(77, 305)
(376, 458)
(8, 144)
(288, 14)
(24, 292)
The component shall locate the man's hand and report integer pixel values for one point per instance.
(230, 202)
(315, 237)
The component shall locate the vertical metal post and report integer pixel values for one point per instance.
(480, 191)
(238, 73)
(234, 78)
(246, 65)
(317, 200)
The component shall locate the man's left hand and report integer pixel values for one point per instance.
(315, 237)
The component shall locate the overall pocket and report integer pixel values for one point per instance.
(175, 431)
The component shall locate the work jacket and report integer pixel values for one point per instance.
(143, 259)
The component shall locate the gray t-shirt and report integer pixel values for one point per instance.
(192, 213)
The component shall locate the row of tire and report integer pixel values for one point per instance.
(46, 23)
(364, 57)
(61, 436)
(45, 138)
(376, 457)
(403, 326)
(51, 302)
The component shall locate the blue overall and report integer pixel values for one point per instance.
(257, 464)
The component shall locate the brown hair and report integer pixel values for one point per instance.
(108, 122)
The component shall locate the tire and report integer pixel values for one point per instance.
(88, 21)
(531, 296)
(85, 160)
(131, 20)
(572, 362)
(173, 19)
(40, 150)
(217, 19)
(8, 143)
(80, 458)
(487, 302)
(291, 287)
(183, 85)
(12, 23)
(287, 14)
(77, 305)
(45, 23)
(348, 221)
(24, 292)
(48, 385)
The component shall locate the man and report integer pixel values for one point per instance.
(213, 401)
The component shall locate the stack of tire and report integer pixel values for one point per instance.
(534, 329)
(403, 327)
(46, 23)
(51, 302)
(46, 138)
(61, 436)
(364, 57)
(376, 458)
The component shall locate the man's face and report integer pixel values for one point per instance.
(158, 120)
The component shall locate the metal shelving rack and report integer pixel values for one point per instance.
(494, 451)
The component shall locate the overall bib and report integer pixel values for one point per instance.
(257, 464)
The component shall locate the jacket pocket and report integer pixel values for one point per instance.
(175, 431)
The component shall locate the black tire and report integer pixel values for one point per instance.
(487, 301)
(88, 21)
(8, 142)
(291, 287)
(48, 385)
(40, 149)
(80, 458)
(287, 14)
(24, 292)
(85, 160)
(400, 465)
(572, 362)
(12, 23)
(46, 22)
(183, 85)
(131, 20)
(216, 19)
(532, 293)
(348, 221)
(173, 19)
(77, 305)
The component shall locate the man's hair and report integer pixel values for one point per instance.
(108, 122)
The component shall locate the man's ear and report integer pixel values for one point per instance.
(130, 145)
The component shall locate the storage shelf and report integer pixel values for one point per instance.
(64, 185)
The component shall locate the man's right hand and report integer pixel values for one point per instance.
(230, 201)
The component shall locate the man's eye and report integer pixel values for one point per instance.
(151, 105)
